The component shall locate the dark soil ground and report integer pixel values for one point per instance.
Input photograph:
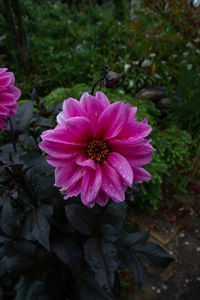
(175, 227)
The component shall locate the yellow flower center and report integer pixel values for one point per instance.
(97, 150)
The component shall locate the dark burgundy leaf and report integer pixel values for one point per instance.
(102, 258)
(81, 218)
(90, 290)
(68, 252)
(41, 227)
(133, 239)
(155, 254)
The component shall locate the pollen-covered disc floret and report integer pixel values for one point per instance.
(98, 149)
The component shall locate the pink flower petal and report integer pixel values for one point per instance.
(140, 174)
(61, 135)
(56, 162)
(139, 160)
(59, 150)
(94, 106)
(102, 199)
(111, 183)
(88, 103)
(134, 130)
(91, 107)
(12, 78)
(4, 111)
(72, 108)
(12, 109)
(121, 165)
(3, 124)
(7, 99)
(74, 191)
(91, 185)
(14, 91)
(133, 111)
(3, 70)
(83, 161)
(145, 121)
(101, 101)
(80, 129)
(63, 174)
(9, 94)
(111, 121)
(61, 118)
(131, 148)
(68, 178)
(5, 80)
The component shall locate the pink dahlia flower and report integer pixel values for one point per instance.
(98, 149)
(9, 94)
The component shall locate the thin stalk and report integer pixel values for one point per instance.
(95, 84)
(12, 135)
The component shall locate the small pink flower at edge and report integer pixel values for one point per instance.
(98, 149)
(9, 94)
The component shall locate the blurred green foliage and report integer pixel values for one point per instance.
(68, 45)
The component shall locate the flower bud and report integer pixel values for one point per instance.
(111, 79)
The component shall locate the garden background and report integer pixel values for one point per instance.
(60, 47)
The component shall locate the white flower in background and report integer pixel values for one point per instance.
(51, 48)
(2, 37)
(131, 83)
(157, 76)
(163, 62)
(185, 53)
(189, 44)
(152, 55)
(197, 40)
(121, 92)
(184, 61)
(146, 63)
(196, 3)
(189, 67)
(198, 51)
(135, 62)
(126, 67)
(174, 55)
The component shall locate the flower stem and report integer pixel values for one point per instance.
(95, 84)
(12, 135)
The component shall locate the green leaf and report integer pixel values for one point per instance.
(41, 227)
(102, 258)
(81, 218)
